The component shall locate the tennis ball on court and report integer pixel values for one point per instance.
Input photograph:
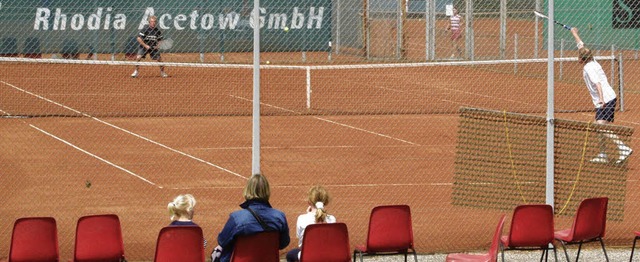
(87, 183)
(268, 62)
(286, 29)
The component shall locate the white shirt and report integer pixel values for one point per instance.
(307, 219)
(593, 74)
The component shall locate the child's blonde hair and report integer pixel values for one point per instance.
(319, 197)
(182, 206)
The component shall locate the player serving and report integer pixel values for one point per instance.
(149, 38)
(604, 99)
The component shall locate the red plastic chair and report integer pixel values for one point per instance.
(34, 239)
(325, 243)
(637, 233)
(390, 233)
(531, 229)
(588, 226)
(180, 243)
(493, 250)
(263, 246)
(99, 238)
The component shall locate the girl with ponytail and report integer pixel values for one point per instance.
(316, 213)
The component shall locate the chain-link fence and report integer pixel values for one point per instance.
(380, 101)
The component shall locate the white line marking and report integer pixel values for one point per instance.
(127, 131)
(95, 156)
(332, 122)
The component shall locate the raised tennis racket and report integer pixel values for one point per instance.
(538, 14)
(165, 44)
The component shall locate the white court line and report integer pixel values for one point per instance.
(127, 131)
(95, 156)
(333, 122)
(307, 147)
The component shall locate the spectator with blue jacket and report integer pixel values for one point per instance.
(243, 222)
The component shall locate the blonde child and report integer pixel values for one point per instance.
(181, 210)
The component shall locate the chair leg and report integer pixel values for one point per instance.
(545, 255)
(415, 255)
(354, 255)
(555, 254)
(405, 256)
(632, 248)
(502, 250)
(565, 251)
(604, 250)
(579, 248)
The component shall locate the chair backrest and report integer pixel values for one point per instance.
(99, 238)
(591, 219)
(531, 226)
(263, 246)
(34, 239)
(180, 243)
(495, 242)
(390, 229)
(326, 242)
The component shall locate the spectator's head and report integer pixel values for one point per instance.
(257, 188)
(585, 55)
(319, 198)
(182, 207)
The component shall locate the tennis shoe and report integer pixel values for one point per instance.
(163, 74)
(624, 155)
(135, 74)
(600, 159)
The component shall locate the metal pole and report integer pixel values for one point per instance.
(549, 194)
(537, 30)
(430, 29)
(338, 24)
(469, 41)
(255, 156)
(613, 63)
(503, 28)
(621, 83)
(367, 31)
(515, 53)
(561, 55)
(399, 28)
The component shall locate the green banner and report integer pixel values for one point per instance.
(110, 26)
(602, 24)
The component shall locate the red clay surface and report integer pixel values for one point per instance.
(372, 137)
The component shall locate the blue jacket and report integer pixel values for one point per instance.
(242, 222)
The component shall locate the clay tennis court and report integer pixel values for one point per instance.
(371, 136)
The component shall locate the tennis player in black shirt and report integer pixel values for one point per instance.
(148, 39)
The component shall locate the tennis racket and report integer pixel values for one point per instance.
(538, 14)
(165, 44)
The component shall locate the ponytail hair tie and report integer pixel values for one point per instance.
(319, 205)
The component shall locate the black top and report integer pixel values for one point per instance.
(150, 36)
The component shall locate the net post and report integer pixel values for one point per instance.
(308, 83)
(515, 53)
(613, 62)
(561, 56)
(621, 81)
